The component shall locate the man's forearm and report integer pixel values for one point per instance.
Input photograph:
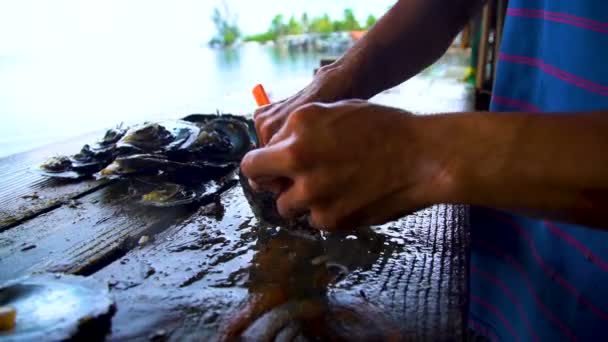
(548, 165)
(411, 36)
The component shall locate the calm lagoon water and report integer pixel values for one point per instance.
(53, 96)
(68, 67)
(47, 97)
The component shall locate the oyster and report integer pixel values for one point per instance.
(112, 136)
(57, 307)
(185, 160)
(109, 140)
(263, 205)
(158, 137)
(222, 139)
(153, 164)
(139, 164)
(57, 164)
(155, 193)
(238, 133)
(59, 167)
(88, 161)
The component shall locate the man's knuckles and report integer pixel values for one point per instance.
(306, 114)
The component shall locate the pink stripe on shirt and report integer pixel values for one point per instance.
(551, 70)
(560, 18)
(550, 272)
(571, 240)
(505, 101)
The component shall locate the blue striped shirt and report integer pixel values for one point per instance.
(536, 280)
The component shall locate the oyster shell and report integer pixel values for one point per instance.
(58, 167)
(262, 203)
(264, 207)
(88, 161)
(109, 140)
(158, 137)
(185, 160)
(151, 192)
(222, 139)
(57, 164)
(57, 307)
(153, 164)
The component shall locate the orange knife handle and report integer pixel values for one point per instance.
(260, 95)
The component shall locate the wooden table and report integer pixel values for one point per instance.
(202, 265)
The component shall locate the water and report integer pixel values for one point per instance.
(73, 67)
(61, 93)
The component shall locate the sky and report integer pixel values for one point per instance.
(33, 25)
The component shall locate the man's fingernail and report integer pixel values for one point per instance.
(254, 185)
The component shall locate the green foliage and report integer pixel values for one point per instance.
(322, 24)
(370, 21)
(349, 22)
(261, 37)
(278, 26)
(227, 31)
(294, 27)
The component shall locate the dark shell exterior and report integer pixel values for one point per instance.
(178, 157)
(263, 205)
(223, 138)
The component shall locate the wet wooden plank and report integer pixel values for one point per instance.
(24, 193)
(202, 276)
(83, 235)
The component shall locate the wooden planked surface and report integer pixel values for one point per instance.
(24, 193)
(204, 265)
(199, 273)
(80, 237)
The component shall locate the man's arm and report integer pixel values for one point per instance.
(355, 163)
(412, 35)
(408, 38)
(546, 165)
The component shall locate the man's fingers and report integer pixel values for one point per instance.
(274, 185)
(382, 210)
(261, 110)
(267, 162)
(291, 202)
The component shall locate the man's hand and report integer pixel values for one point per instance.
(329, 85)
(348, 163)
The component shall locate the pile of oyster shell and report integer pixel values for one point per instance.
(167, 163)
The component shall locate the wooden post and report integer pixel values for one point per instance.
(465, 40)
(500, 18)
(483, 47)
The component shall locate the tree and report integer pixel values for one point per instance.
(321, 24)
(226, 25)
(370, 21)
(277, 26)
(293, 27)
(305, 23)
(349, 22)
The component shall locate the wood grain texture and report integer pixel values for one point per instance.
(25, 194)
(204, 266)
(200, 273)
(82, 236)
